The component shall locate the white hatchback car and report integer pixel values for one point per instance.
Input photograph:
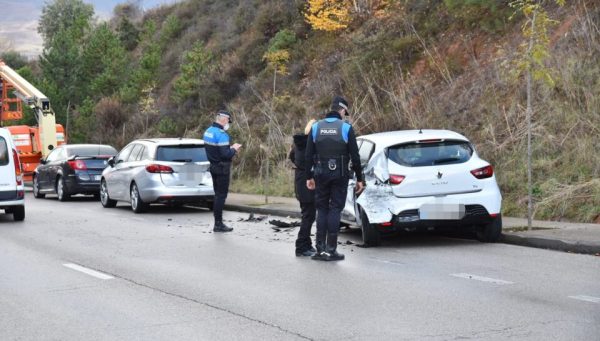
(424, 180)
(12, 192)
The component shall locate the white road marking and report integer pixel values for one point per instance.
(87, 271)
(586, 298)
(482, 279)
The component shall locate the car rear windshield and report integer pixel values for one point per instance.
(417, 154)
(181, 153)
(3, 152)
(91, 151)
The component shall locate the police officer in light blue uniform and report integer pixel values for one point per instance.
(330, 148)
(220, 153)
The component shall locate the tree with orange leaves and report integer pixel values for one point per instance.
(328, 15)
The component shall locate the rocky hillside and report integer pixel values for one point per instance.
(402, 64)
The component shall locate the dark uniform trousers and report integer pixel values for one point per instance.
(221, 187)
(331, 191)
(307, 209)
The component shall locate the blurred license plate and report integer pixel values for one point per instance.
(441, 212)
(97, 177)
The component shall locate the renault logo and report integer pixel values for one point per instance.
(439, 175)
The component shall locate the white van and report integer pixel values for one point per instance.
(12, 191)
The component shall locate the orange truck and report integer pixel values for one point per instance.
(33, 143)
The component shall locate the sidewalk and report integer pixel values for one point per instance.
(562, 236)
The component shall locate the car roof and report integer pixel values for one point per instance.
(390, 138)
(4, 132)
(84, 145)
(170, 141)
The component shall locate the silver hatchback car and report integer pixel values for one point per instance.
(171, 171)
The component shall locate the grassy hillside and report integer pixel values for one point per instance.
(402, 64)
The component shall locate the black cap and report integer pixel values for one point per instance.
(340, 102)
(225, 113)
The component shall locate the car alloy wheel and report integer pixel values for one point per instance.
(60, 189)
(370, 235)
(104, 198)
(36, 188)
(137, 205)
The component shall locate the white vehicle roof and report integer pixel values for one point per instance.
(390, 138)
(172, 141)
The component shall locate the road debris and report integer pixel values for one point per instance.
(252, 219)
(283, 224)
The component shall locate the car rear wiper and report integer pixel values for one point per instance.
(182, 160)
(446, 160)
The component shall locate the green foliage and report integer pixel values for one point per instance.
(488, 15)
(170, 29)
(146, 72)
(128, 34)
(196, 66)
(65, 15)
(84, 123)
(104, 63)
(61, 69)
(283, 40)
(167, 126)
(13, 59)
(534, 50)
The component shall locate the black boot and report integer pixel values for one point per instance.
(331, 253)
(321, 248)
(220, 227)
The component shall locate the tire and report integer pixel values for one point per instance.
(18, 213)
(105, 200)
(370, 235)
(137, 204)
(36, 189)
(491, 232)
(61, 190)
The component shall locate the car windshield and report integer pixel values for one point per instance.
(3, 152)
(91, 150)
(418, 154)
(181, 153)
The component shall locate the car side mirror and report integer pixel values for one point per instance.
(111, 161)
(43, 161)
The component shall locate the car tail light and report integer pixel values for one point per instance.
(483, 173)
(396, 179)
(18, 172)
(386, 224)
(154, 168)
(77, 164)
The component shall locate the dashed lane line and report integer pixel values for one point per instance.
(87, 271)
(482, 279)
(586, 298)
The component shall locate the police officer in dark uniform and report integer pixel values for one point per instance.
(330, 148)
(219, 153)
(305, 196)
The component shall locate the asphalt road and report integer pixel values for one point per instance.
(164, 275)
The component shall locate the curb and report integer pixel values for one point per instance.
(551, 244)
(263, 210)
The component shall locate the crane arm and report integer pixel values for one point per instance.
(35, 99)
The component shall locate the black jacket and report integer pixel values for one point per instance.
(298, 157)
